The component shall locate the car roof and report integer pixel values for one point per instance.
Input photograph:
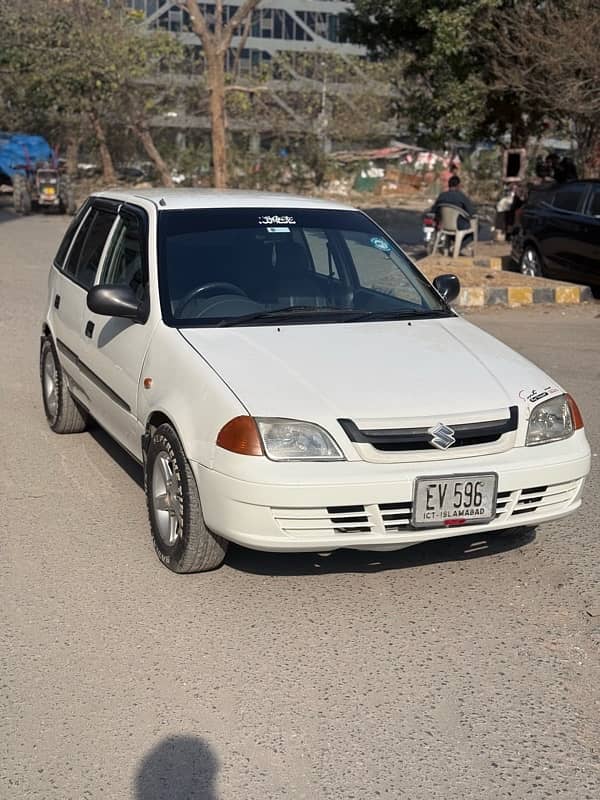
(180, 199)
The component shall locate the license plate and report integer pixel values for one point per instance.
(454, 500)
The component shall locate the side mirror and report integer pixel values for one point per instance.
(448, 286)
(115, 301)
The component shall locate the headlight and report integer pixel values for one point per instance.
(290, 440)
(552, 420)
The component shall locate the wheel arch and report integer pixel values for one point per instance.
(529, 241)
(154, 420)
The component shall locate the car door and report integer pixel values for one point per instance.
(590, 256)
(113, 348)
(561, 247)
(70, 290)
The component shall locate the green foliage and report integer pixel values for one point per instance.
(442, 75)
(62, 59)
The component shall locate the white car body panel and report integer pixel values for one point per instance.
(380, 375)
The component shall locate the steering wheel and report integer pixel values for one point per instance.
(210, 289)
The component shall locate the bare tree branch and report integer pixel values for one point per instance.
(244, 11)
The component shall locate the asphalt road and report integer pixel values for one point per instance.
(463, 669)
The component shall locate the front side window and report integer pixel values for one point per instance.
(569, 198)
(124, 265)
(254, 266)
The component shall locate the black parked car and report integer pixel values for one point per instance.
(558, 233)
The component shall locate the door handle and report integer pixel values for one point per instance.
(56, 300)
(89, 329)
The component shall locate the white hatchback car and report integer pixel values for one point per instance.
(290, 381)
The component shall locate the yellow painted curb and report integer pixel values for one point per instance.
(472, 296)
(567, 294)
(520, 295)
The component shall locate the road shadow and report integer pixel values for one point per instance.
(177, 768)
(457, 548)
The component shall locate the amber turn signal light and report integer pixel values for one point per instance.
(240, 435)
(575, 413)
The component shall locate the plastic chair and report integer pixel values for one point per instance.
(448, 217)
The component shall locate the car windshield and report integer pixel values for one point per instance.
(254, 266)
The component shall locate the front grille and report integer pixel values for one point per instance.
(396, 517)
(408, 439)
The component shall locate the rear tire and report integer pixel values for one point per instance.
(181, 539)
(531, 262)
(63, 413)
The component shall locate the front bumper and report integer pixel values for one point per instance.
(322, 507)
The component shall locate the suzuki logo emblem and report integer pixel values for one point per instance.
(442, 436)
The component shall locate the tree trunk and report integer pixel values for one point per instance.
(72, 153)
(215, 71)
(142, 131)
(108, 169)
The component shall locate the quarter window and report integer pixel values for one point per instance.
(68, 238)
(85, 254)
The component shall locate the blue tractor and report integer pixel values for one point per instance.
(29, 164)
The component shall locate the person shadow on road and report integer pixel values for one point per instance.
(177, 768)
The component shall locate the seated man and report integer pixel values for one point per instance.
(455, 197)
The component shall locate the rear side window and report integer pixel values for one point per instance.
(568, 198)
(85, 254)
(68, 237)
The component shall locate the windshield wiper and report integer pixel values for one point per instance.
(290, 311)
(408, 313)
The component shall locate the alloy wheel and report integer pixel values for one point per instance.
(530, 263)
(50, 385)
(167, 499)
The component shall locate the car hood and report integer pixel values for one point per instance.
(368, 371)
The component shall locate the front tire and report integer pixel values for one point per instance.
(181, 539)
(531, 262)
(63, 413)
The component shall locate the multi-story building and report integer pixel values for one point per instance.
(303, 26)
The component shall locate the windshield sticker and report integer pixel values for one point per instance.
(280, 229)
(275, 220)
(533, 395)
(381, 244)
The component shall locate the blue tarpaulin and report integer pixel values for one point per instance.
(18, 149)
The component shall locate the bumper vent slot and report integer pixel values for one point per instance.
(394, 518)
